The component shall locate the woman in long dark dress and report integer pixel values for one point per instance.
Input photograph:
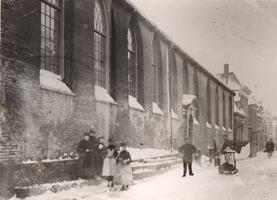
(95, 154)
(123, 174)
(102, 150)
(85, 162)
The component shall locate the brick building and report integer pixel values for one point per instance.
(67, 65)
(241, 117)
(256, 125)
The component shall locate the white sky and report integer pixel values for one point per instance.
(240, 33)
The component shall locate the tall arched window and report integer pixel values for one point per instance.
(224, 109)
(185, 79)
(231, 111)
(173, 81)
(216, 107)
(196, 91)
(156, 73)
(52, 36)
(209, 110)
(99, 45)
(132, 63)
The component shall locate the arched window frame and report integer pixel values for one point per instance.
(100, 44)
(132, 62)
(157, 72)
(155, 68)
(52, 44)
(196, 91)
(231, 111)
(209, 110)
(217, 106)
(185, 78)
(224, 108)
(173, 81)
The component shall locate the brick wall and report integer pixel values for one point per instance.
(38, 122)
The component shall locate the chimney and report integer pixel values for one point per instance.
(226, 72)
(226, 69)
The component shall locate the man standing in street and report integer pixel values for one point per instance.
(270, 147)
(227, 143)
(187, 149)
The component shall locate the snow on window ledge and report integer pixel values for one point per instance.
(174, 115)
(217, 127)
(133, 103)
(223, 128)
(101, 94)
(51, 81)
(195, 122)
(230, 130)
(157, 110)
(208, 125)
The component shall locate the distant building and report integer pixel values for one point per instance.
(256, 125)
(241, 134)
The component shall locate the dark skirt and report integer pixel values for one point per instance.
(97, 161)
(86, 166)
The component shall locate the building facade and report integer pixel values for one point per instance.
(241, 132)
(67, 65)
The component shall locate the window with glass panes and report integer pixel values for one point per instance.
(99, 45)
(196, 91)
(224, 109)
(155, 73)
(132, 71)
(50, 35)
(216, 106)
(209, 108)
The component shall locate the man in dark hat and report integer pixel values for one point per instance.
(187, 149)
(227, 143)
(95, 155)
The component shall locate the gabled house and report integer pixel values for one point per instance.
(240, 126)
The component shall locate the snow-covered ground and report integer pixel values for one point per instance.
(256, 180)
(147, 153)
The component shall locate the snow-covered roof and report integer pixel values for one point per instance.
(238, 110)
(230, 80)
(188, 99)
(233, 83)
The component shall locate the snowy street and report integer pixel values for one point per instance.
(256, 180)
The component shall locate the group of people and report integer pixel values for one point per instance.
(96, 160)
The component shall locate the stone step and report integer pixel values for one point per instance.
(144, 170)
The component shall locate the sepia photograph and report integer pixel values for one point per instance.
(138, 100)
